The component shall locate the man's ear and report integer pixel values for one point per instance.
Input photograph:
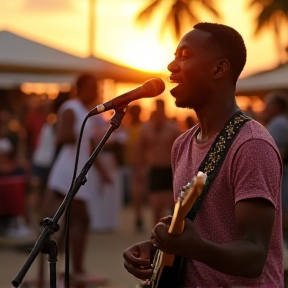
(221, 68)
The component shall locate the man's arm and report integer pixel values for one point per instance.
(256, 174)
(104, 174)
(245, 257)
(256, 185)
(64, 129)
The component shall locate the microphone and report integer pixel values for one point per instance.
(150, 88)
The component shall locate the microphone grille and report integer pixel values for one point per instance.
(154, 87)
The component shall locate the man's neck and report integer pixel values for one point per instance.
(212, 122)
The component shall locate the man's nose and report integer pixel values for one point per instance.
(173, 66)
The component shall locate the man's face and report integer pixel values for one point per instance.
(192, 69)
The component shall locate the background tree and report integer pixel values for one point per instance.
(178, 14)
(274, 15)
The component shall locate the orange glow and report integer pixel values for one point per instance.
(244, 102)
(14, 125)
(44, 88)
(119, 39)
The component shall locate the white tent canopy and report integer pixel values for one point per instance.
(22, 59)
(16, 79)
(263, 82)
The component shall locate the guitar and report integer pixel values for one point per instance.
(167, 268)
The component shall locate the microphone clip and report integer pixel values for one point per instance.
(118, 116)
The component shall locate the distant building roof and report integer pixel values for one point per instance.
(24, 59)
(263, 82)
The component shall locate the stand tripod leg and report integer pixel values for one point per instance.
(41, 273)
(53, 253)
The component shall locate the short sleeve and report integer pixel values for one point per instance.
(257, 172)
(174, 151)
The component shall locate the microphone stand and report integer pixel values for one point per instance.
(44, 243)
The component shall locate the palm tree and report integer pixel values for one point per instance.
(273, 14)
(178, 14)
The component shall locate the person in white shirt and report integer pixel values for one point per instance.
(70, 118)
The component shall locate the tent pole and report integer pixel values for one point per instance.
(92, 20)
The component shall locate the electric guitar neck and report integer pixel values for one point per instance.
(167, 267)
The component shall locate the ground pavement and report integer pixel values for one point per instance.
(104, 255)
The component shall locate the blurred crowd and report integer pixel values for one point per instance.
(133, 167)
(28, 150)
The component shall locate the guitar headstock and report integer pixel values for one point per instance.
(189, 193)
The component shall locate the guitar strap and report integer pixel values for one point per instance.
(211, 166)
(216, 155)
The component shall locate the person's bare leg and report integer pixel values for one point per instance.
(137, 201)
(79, 232)
(79, 229)
(49, 205)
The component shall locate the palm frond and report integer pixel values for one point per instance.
(270, 13)
(178, 13)
(259, 2)
(209, 7)
(282, 5)
(146, 14)
(189, 15)
(263, 19)
(173, 21)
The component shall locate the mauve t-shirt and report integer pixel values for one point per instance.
(252, 168)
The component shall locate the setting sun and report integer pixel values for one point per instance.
(118, 37)
(64, 25)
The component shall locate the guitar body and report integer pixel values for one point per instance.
(168, 270)
(173, 276)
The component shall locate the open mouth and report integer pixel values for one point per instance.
(175, 81)
(173, 85)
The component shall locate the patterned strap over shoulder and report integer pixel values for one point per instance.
(216, 155)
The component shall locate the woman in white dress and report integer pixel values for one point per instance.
(70, 118)
(105, 204)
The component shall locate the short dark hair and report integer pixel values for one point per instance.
(59, 100)
(278, 98)
(228, 42)
(82, 79)
(134, 109)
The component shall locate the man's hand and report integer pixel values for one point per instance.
(138, 259)
(244, 257)
(176, 244)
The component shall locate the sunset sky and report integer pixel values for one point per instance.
(63, 24)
